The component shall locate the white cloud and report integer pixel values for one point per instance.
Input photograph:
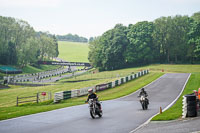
(30, 3)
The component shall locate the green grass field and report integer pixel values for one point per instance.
(73, 51)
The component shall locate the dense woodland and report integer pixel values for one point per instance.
(71, 38)
(21, 45)
(172, 39)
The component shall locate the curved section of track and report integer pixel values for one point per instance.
(120, 115)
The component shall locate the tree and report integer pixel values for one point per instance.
(139, 49)
(194, 39)
(71, 38)
(107, 52)
(47, 47)
(91, 39)
(20, 45)
(170, 36)
(56, 45)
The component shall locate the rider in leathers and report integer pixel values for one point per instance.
(143, 92)
(92, 95)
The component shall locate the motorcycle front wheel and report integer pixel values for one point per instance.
(92, 113)
(146, 106)
(143, 105)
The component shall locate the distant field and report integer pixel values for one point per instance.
(73, 51)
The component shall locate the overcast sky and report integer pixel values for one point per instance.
(92, 17)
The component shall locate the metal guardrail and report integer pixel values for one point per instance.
(58, 96)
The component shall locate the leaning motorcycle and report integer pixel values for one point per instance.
(144, 102)
(94, 108)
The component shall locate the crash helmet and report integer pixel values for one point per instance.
(142, 89)
(90, 91)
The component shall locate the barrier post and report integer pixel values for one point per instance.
(37, 99)
(17, 100)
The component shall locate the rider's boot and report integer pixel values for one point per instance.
(100, 108)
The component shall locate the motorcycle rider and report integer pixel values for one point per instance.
(143, 92)
(93, 95)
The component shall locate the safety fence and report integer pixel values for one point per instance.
(38, 97)
(28, 99)
(62, 95)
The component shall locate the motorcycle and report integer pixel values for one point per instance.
(94, 108)
(144, 102)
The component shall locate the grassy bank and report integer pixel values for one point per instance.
(73, 51)
(31, 69)
(7, 112)
(8, 96)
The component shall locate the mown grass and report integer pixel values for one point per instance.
(122, 90)
(73, 51)
(8, 96)
(173, 68)
(175, 111)
(31, 69)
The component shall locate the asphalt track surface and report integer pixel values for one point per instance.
(121, 115)
(188, 125)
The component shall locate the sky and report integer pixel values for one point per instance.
(90, 18)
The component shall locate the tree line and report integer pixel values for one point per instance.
(172, 39)
(20, 44)
(71, 38)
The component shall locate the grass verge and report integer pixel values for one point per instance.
(31, 69)
(122, 90)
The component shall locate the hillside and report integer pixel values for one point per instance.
(73, 51)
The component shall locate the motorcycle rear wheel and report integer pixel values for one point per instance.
(100, 114)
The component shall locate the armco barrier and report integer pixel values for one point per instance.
(74, 93)
(127, 79)
(66, 94)
(84, 91)
(131, 77)
(116, 82)
(109, 85)
(101, 87)
(113, 84)
(122, 80)
(58, 96)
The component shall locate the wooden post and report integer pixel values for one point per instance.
(160, 110)
(17, 100)
(37, 98)
(49, 96)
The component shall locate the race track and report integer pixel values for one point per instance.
(121, 115)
